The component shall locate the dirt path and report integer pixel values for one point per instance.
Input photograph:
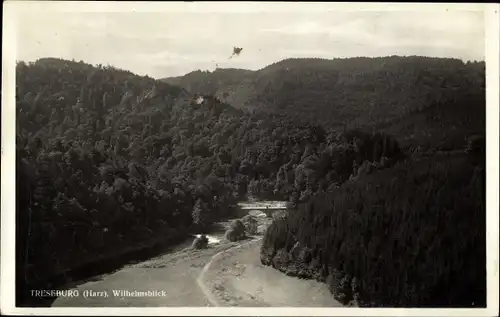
(201, 283)
(237, 278)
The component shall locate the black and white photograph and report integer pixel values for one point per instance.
(250, 155)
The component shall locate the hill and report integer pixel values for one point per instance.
(440, 126)
(338, 93)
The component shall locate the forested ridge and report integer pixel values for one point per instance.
(107, 160)
(351, 92)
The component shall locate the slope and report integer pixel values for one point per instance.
(410, 236)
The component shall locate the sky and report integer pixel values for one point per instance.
(172, 43)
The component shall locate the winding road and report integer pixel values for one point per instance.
(208, 293)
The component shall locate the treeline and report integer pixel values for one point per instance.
(107, 160)
(208, 83)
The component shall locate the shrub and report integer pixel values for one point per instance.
(261, 229)
(345, 290)
(305, 255)
(250, 223)
(231, 235)
(281, 259)
(279, 214)
(236, 231)
(333, 281)
(238, 227)
(355, 289)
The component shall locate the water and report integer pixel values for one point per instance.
(211, 239)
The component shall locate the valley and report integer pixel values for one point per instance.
(382, 161)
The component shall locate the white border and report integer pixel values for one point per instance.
(232, 7)
(7, 305)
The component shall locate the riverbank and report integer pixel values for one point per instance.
(237, 278)
(90, 269)
(175, 272)
(94, 267)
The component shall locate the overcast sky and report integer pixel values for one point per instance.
(165, 44)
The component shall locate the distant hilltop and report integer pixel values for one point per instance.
(339, 92)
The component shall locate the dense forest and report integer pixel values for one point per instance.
(342, 93)
(410, 236)
(107, 160)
